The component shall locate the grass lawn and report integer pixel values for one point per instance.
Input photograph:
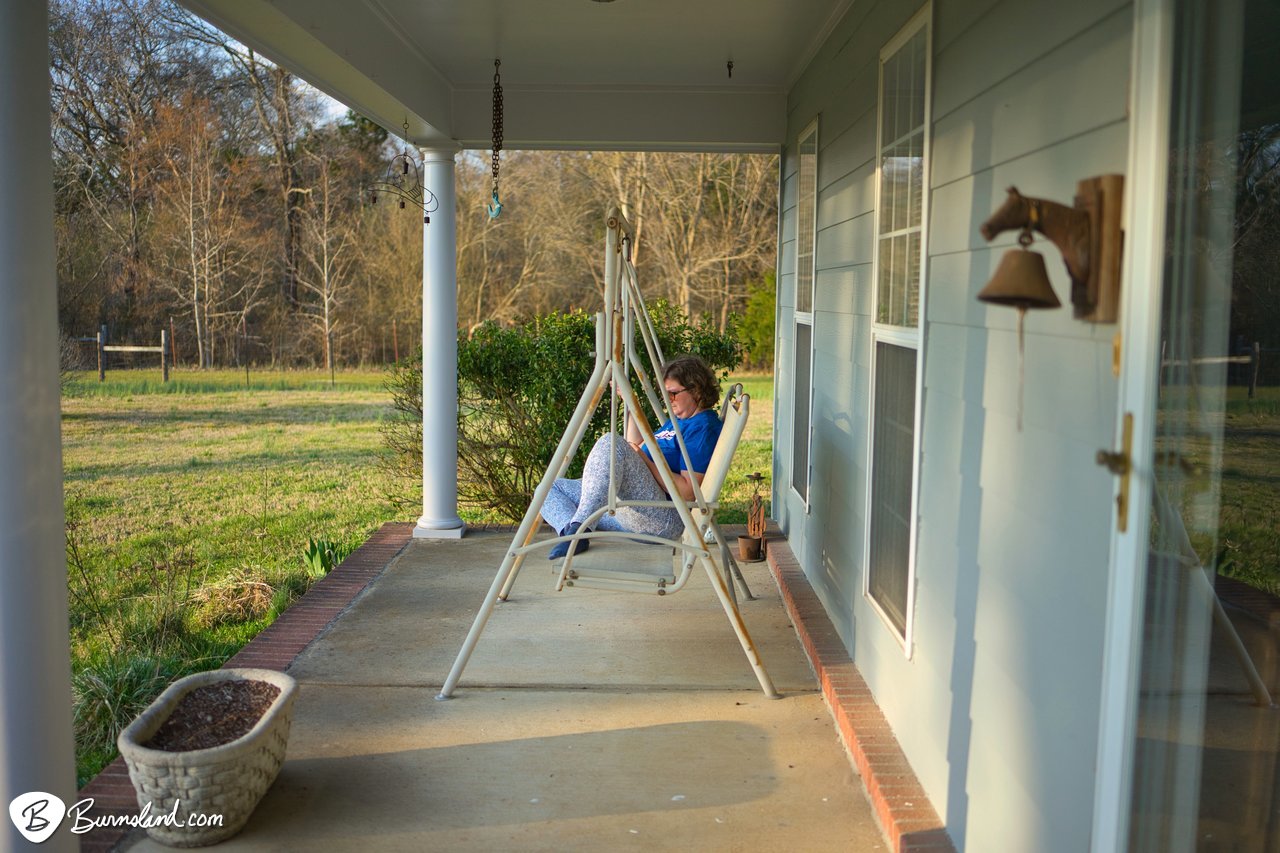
(755, 451)
(190, 506)
(1243, 539)
(1248, 546)
(189, 510)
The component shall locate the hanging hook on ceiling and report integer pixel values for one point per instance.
(495, 206)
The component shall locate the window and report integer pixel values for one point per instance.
(806, 239)
(903, 145)
(893, 425)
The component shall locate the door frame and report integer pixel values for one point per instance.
(1144, 217)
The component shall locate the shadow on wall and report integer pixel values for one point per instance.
(970, 316)
(833, 542)
(964, 647)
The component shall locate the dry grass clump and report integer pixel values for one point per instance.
(238, 597)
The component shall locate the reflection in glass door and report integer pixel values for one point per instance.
(1208, 740)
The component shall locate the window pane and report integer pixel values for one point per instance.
(806, 202)
(900, 279)
(915, 180)
(888, 76)
(892, 464)
(893, 283)
(916, 47)
(900, 218)
(884, 283)
(800, 437)
(912, 284)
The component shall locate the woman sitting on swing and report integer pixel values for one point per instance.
(694, 393)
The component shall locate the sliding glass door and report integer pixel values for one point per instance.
(1204, 738)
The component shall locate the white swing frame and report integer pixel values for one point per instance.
(615, 356)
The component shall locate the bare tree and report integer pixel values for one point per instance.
(505, 265)
(389, 307)
(208, 246)
(328, 248)
(705, 222)
(284, 111)
(161, 213)
(111, 65)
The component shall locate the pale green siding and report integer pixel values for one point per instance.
(996, 706)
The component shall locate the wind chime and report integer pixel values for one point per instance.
(403, 180)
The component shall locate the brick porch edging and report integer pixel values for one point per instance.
(897, 798)
(275, 648)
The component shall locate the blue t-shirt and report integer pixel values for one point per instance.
(700, 432)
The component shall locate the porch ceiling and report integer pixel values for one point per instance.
(630, 74)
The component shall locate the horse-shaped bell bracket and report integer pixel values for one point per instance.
(1089, 237)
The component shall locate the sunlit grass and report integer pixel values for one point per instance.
(84, 383)
(189, 512)
(1243, 540)
(1248, 546)
(755, 451)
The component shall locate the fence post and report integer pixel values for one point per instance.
(102, 355)
(1257, 363)
(164, 355)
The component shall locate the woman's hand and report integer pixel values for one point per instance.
(633, 435)
(683, 479)
(684, 483)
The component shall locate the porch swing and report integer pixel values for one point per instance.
(701, 541)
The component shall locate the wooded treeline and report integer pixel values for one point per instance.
(200, 187)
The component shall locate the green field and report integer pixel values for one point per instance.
(755, 451)
(1248, 535)
(190, 506)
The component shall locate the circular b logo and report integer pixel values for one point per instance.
(37, 815)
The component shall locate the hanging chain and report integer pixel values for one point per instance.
(497, 122)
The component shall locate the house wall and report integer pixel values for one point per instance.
(996, 702)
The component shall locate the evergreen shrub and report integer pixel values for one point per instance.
(758, 323)
(517, 389)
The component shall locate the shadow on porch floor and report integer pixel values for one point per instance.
(586, 719)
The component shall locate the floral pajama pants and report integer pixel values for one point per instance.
(576, 500)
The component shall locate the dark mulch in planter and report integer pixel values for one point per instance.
(213, 715)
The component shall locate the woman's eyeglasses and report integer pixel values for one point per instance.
(675, 393)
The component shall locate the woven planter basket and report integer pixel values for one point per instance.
(225, 780)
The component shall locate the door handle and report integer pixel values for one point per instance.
(1116, 463)
(1120, 463)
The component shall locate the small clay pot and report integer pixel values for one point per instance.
(749, 548)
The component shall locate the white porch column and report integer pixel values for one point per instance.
(440, 354)
(36, 746)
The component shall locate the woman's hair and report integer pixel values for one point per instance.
(693, 373)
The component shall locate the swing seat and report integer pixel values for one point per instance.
(601, 567)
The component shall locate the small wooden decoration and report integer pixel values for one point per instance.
(755, 515)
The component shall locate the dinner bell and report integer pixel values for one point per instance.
(1021, 280)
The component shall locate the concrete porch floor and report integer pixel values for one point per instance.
(586, 720)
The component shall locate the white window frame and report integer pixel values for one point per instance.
(912, 338)
(804, 317)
